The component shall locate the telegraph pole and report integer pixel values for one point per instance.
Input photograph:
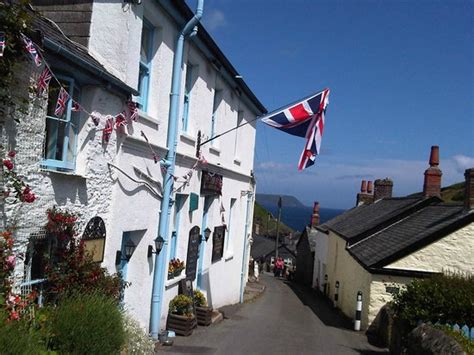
(277, 242)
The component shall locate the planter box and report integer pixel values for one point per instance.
(182, 325)
(204, 315)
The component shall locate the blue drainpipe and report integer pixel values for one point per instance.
(161, 259)
(244, 255)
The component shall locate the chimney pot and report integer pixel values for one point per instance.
(363, 186)
(369, 187)
(434, 156)
(469, 189)
(315, 215)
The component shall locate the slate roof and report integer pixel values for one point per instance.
(361, 221)
(410, 234)
(265, 247)
(311, 234)
(55, 42)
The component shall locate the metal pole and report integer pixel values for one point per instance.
(277, 241)
(166, 203)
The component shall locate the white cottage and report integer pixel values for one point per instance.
(131, 48)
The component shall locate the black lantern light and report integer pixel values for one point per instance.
(159, 242)
(207, 234)
(129, 249)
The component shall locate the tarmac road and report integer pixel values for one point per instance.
(285, 319)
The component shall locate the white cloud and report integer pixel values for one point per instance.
(215, 19)
(463, 162)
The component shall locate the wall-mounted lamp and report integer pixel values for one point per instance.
(129, 249)
(159, 241)
(207, 234)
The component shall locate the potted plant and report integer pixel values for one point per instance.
(203, 311)
(180, 316)
(175, 266)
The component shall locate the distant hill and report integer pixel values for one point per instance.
(451, 194)
(261, 217)
(272, 200)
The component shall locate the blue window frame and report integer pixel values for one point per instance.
(179, 202)
(61, 132)
(146, 54)
(187, 96)
(215, 106)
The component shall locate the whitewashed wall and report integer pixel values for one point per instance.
(454, 252)
(320, 259)
(115, 41)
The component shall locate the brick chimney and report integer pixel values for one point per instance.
(432, 184)
(383, 188)
(315, 215)
(469, 189)
(364, 197)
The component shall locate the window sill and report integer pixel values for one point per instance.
(69, 173)
(175, 280)
(215, 151)
(145, 117)
(186, 138)
(237, 162)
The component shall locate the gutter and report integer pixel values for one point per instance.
(100, 73)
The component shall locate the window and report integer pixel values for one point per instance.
(215, 106)
(187, 96)
(61, 132)
(178, 206)
(146, 53)
(229, 225)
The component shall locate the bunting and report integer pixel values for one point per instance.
(76, 107)
(63, 98)
(132, 110)
(31, 49)
(120, 123)
(43, 81)
(109, 127)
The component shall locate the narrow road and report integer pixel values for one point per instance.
(285, 319)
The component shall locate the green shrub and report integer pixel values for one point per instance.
(465, 343)
(182, 305)
(17, 337)
(199, 299)
(137, 340)
(441, 298)
(87, 324)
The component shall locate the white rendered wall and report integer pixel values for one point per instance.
(454, 252)
(320, 259)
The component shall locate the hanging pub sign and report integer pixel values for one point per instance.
(218, 243)
(193, 252)
(94, 239)
(211, 184)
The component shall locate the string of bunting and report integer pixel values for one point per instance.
(118, 121)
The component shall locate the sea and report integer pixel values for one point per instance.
(298, 217)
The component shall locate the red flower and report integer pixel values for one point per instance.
(11, 154)
(8, 164)
(28, 195)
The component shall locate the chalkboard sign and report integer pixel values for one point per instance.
(211, 184)
(218, 243)
(193, 253)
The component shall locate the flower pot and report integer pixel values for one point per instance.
(181, 325)
(204, 315)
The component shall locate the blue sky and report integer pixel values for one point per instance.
(401, 80)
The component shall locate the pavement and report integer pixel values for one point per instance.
(277, 318)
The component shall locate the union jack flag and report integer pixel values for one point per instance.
(43, 81)
(304, 118)
(107, 131)
(63, 98)
(132, 110)
(3, 42)
(30, 48)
